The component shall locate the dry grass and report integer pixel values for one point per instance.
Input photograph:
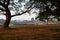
(31, 32)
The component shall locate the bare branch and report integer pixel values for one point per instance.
(8, 2)
(3, 12)
(19, 14)
(24, 11)
(2, 9)
(4, 1)
(2, 4)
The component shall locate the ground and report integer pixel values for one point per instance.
(31, 32)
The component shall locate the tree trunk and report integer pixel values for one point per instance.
(46, 21)
(8, 18)
(58, 20)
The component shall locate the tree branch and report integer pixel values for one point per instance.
(24, 11)
(8, 2)
(2, 12)
(19, 14)
(2, 4)
(4, 1)
(2, 9)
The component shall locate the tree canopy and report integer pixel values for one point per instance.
(48, 7)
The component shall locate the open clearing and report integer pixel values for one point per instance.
(31, 32)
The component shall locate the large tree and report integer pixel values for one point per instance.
(50, 7)
(4, 7)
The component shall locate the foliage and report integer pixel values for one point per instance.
(50, 7)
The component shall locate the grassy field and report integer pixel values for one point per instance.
(31, 32)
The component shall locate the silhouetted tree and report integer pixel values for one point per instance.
(4, 7)
(50, 7)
